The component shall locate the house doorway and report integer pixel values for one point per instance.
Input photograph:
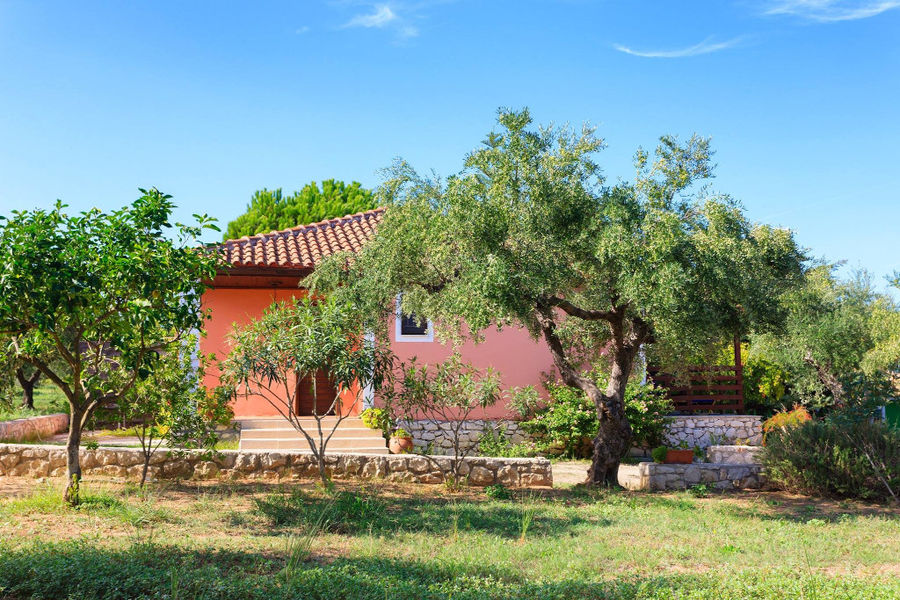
(305, 404)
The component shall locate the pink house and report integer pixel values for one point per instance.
(268, 267)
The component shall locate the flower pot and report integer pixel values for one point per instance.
(401, 445)
(679, 457)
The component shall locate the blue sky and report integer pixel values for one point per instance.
(210, 101)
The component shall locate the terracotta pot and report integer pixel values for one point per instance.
(679, 457)
(401, 445)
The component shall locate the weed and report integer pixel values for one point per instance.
(497, 491)
(699, 490)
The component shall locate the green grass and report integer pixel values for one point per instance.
(388, 541)
(48, 399)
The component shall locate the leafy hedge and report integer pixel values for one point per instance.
(853, 459)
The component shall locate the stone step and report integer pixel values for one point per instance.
(344, 446)
(287, 434)
(282, 423)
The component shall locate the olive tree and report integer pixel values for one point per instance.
(293, 341)
(99, 293)
(841, 341)
(528, 234)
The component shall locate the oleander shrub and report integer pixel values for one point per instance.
(852, 459)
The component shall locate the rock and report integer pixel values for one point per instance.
(272, 460)
(418, 464)
(508, 476)
(246, 463)
(481, 476)
(206, 469)
(374, 467)
(129, 458)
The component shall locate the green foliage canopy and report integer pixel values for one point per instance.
(87, 299)
(528, 234)
(840, 343)
(294, 340)
(271, 210)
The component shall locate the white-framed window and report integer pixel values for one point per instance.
(410, 328)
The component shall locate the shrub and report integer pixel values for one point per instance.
(785, 419)
(400, 433)
(378, 418)
(493, 442)
(765, 384)
(659, 454)
(566, 426)
(856, 459)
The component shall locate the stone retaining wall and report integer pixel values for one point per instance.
(695, 430)
(654, 476)
(734, 455)
(33, 428)
(711, 430)
(126, 463)
(440, 435)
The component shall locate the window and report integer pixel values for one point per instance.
(412, 325)
(409, 328)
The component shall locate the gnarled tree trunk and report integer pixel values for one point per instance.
(614, 433)
(27, 384)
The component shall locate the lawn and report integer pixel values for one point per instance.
(48, 399)
(391, 541)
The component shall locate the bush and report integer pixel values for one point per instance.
(566, 426)
(785, 419)
(659, 454)
(493, 442)
(855, 459)
(378, 418)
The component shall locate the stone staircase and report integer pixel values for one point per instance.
(275, 433)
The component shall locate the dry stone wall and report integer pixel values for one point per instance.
(712, 430)
(33, 428)
(126, 463)
(657, 477)
(734, 455)
(439, 435)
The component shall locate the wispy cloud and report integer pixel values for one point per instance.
(832, 11)
(707, 46)
(383, 16)
(302, 30)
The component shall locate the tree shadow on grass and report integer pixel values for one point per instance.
(78, 571)
(369, 512)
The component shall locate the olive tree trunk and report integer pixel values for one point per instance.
(27, 384)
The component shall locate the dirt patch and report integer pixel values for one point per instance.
(570, 472)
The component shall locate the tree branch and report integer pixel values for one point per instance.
(581, 313)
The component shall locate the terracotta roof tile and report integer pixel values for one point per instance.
(305, 246)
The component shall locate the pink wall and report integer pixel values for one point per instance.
(512, 352)
(518, 358)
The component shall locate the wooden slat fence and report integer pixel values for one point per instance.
(711, 388)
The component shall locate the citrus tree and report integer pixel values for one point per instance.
(89, 299)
